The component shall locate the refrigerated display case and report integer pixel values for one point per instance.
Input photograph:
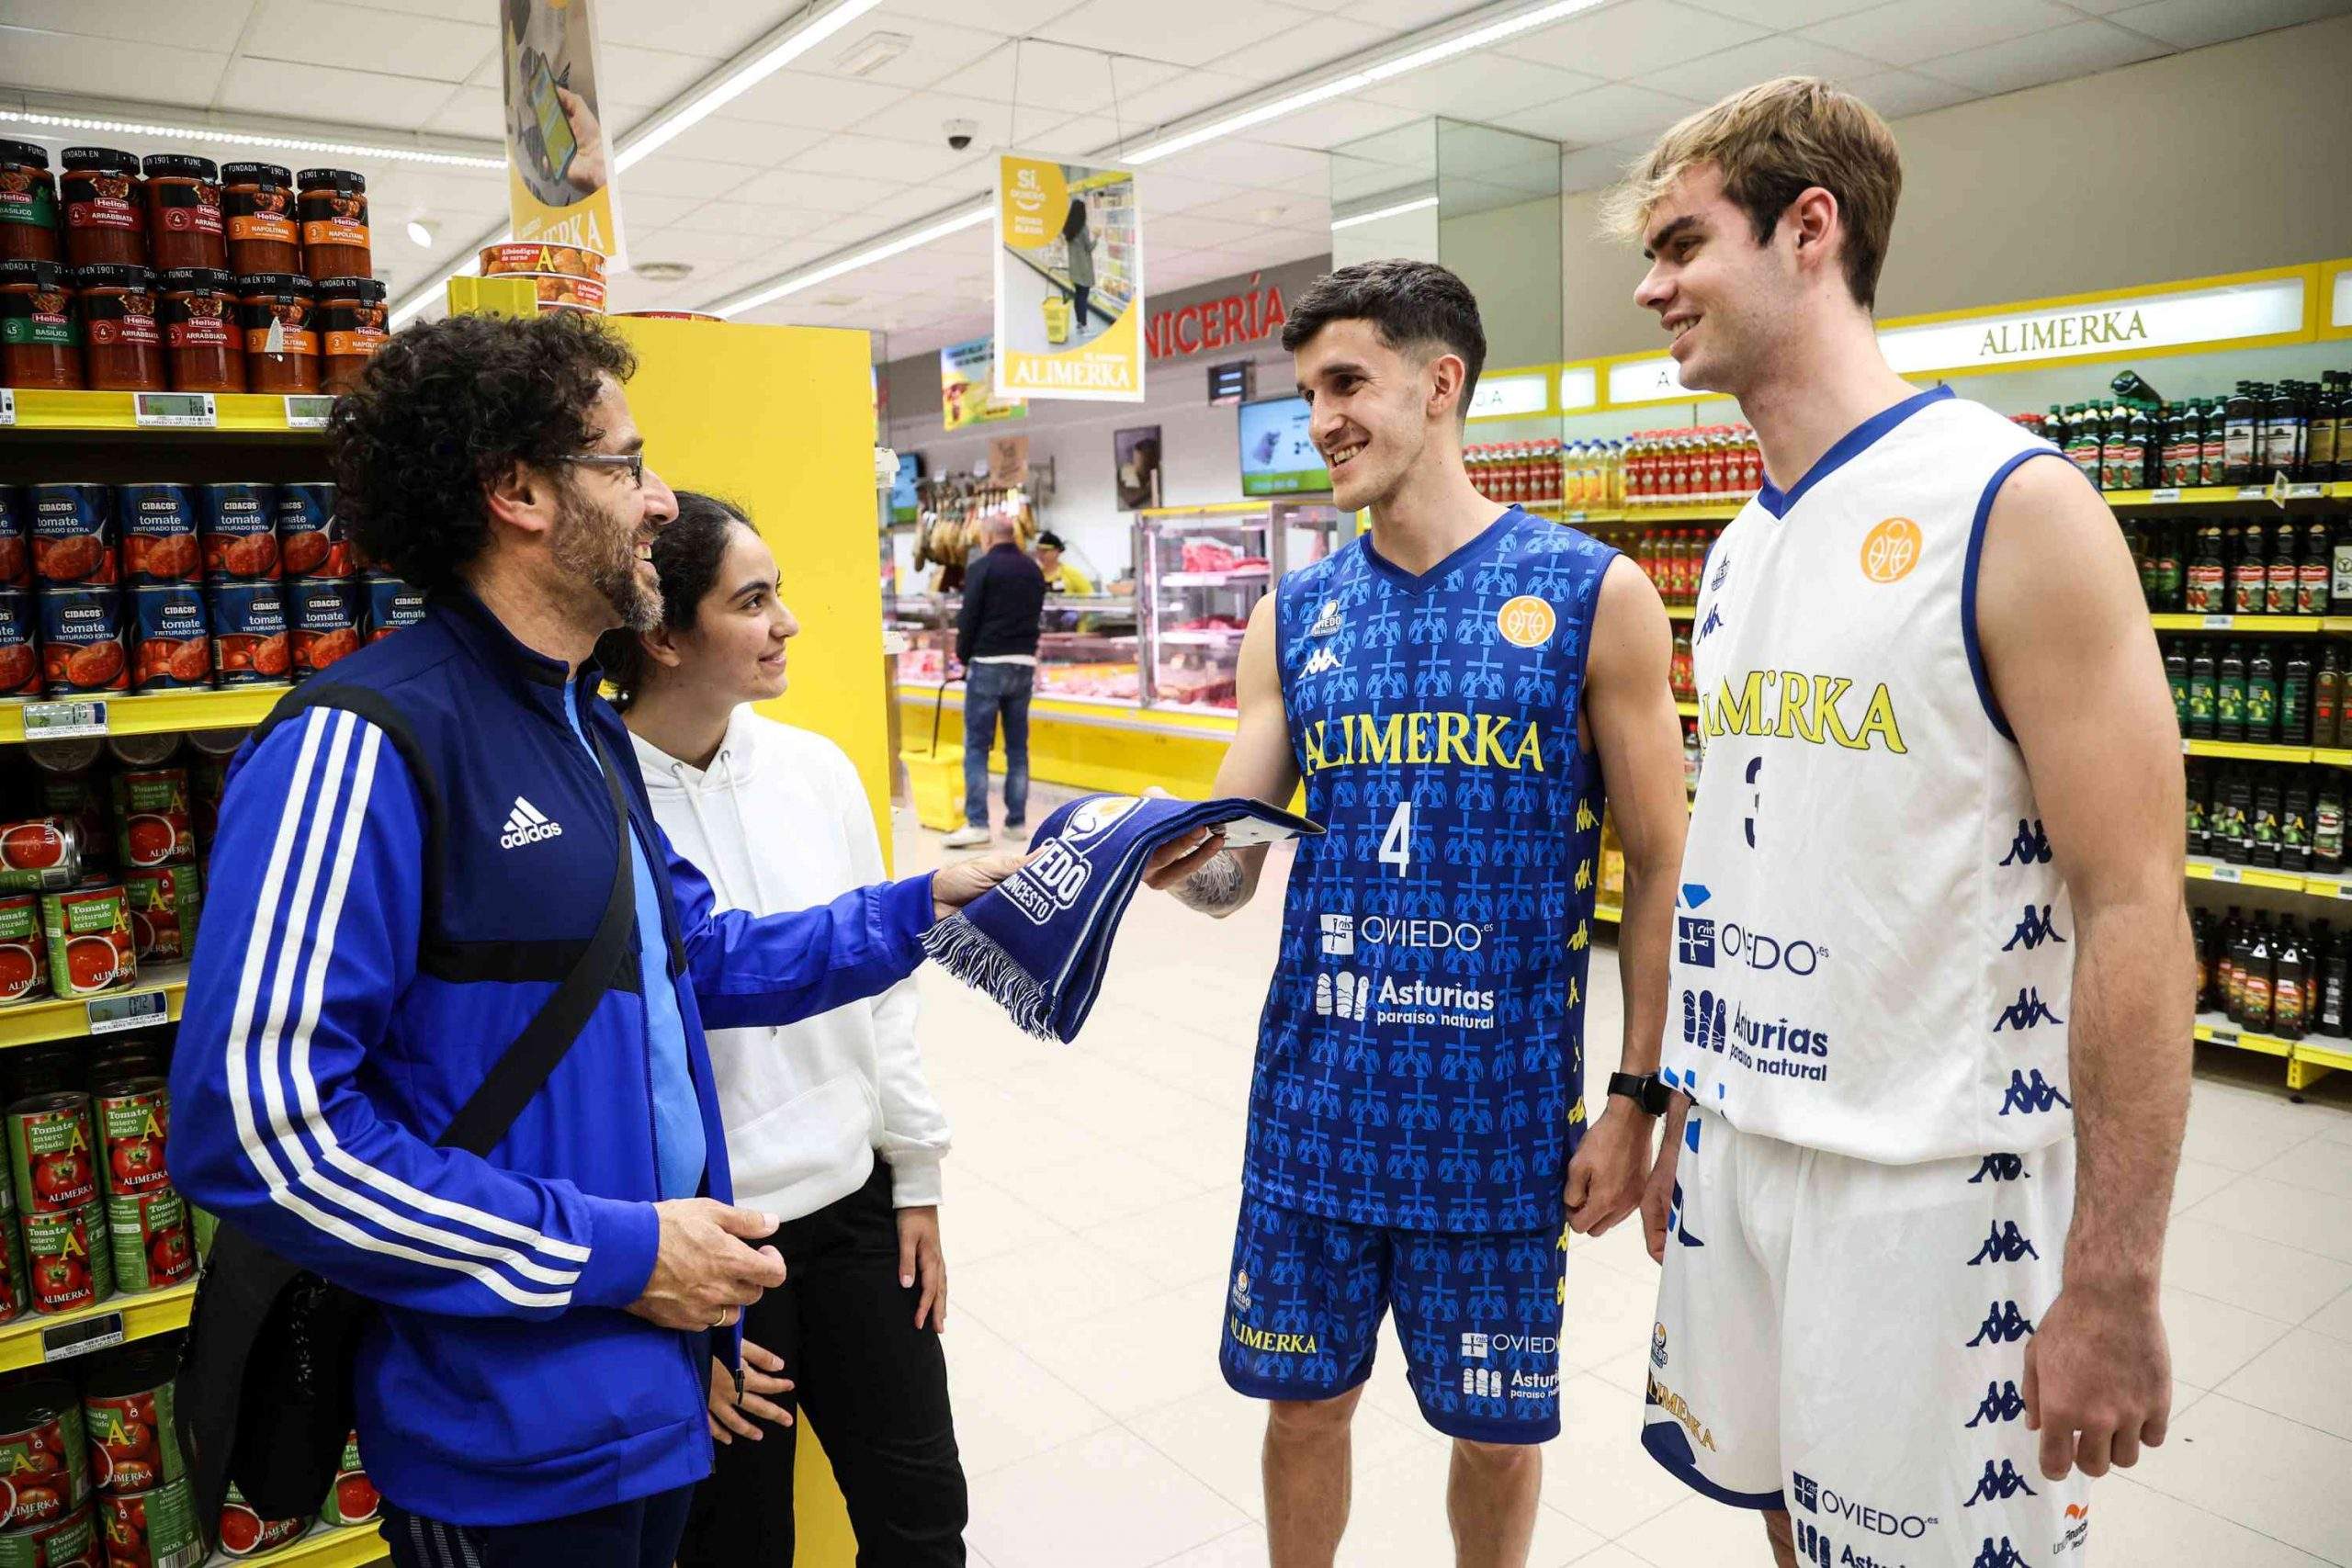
(1203, 570)
(1086, 644)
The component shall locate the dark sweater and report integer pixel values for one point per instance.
(1003, 594)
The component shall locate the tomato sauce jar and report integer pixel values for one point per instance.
(279, 313)
(27, 204)
(158, 522)
(325, 623)
(40, 341)
(311, 541)
(123, 345)
(16, 538)
(239, 525)
(105, 212)
(173, 634)
(259, 201)
(184, 226)
(334, 205)
(248, 633)
(81, 641)
(391, 604)
(203, 347)
(352, 327)
(74, 534)
(20, 660)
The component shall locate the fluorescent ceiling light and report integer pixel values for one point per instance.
(237, 138)
(739, 76)
(793, 285)
(1379, 212)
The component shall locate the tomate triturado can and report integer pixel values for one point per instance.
(24, 950)
(391, 604)
(165, 904)
(158, 527)
(82, 644)
(171, 634)
(42, 854)
(152, 1248)
(240, 532)
(88, 931)
(152, 826)
(311, 541)
(324, 619)
(74, 534)
(249, 639)
(20, 671)
(42, 1456)
(52, 1158)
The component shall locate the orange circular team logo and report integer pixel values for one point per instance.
(1891, 550)
(1526, 621)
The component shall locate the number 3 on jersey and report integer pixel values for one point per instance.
(1396, 844)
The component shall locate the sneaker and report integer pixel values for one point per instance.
(969, 837)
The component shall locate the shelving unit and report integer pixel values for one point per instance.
(26, 1341)
(329, 1547)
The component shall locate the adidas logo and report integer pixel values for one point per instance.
(525, 825)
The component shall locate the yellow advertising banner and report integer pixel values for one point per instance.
(1069, 281)
(966, 394)
(559, 162)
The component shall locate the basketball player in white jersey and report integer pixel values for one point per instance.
(1929, 1014)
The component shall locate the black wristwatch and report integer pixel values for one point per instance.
(1643, 1090)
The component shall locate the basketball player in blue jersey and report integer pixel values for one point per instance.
(1459, 691)
(1931, 1005)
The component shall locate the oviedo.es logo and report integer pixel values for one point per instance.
(1891, 550)
(1815, 1498)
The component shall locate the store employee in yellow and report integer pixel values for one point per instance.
(1061, 576)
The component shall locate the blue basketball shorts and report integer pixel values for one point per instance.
(1478, 1315)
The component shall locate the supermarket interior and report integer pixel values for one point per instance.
(2123, 226)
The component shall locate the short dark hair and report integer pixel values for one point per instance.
(448, 407)
(1409, 303)
(687, 555)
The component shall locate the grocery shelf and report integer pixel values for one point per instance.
(1688, 710)
(2246, 751)
(234, 414)
(1681, 612)
(68, 1018)
(23, 1343)
(2224, 495)
(2251, 625)
(329, 1546)
(2205, 870)
(237, 708)
(1609, 912)
(2216, 1030)
(1707, 511)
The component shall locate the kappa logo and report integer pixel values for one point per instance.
(2031, 846)
(1999, 1486)
(2030, 1096)
(1708, 627)
(2002, 1402)
(1328, 621)
(2003, 1325)
(2029, 1011)
(2003, 1243)
(2001, 1556)
(2034, 928)
(2001, 1168)
(525, 824)
(1321, 662)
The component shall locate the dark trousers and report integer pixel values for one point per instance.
(642, 1534)
(994, 691)
(873, 1384)
(1080, 299)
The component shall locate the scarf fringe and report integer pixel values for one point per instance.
(970, 953)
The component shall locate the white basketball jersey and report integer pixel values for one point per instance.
(1872, 944)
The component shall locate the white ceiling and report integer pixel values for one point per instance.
(813, 161)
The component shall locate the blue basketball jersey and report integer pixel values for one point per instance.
(1422, 1048)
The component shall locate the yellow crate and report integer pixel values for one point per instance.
(935, 785)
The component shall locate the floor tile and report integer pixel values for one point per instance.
(1140, 1356)
(1112, 1184)
(1608, 1315)
(2247, 1272)
(1042, 1288)
(1008, 1408)
(980, 1220)
(1610, 1556)
(2292, 1216)
(2245, 1131)
(2132, 1524)
(1178, 1243)
(2211, 1340)
(1218, 1437)
(2319, 1164)
(1244, 1548)
(1108, 1500)
(2275, 1476)
(1701, 1530)
(2198, 1181)
(1596, 1472)
(2335, 1319)
(2304, 1376)
(1399, 1520)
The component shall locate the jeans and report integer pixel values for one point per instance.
(873, 1385)
(993, 692)
(639, 1534)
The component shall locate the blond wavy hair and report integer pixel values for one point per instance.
(1771, 144)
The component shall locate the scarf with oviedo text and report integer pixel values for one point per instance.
(1038, 941)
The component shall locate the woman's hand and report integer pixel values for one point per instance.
(730, 1419)
(921, 1262)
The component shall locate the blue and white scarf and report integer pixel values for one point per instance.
(1038, 941)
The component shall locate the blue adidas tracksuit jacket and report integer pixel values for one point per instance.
(390, 902)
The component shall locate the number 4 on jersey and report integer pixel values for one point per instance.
(1396, 844)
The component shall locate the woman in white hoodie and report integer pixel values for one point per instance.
(829, 1122)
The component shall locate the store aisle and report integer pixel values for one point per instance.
(1088, 1220)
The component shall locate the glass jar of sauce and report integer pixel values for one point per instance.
(122, 346)
(27, 204)
(335, 224)
(352, 317)
(278, 312)
(105, 212)
(259, 201)
(183, 213)
(41, 342)
(203, 347)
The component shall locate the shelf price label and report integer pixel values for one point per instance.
(79, 1338)
(173, 411)
(2222, 1034)
(63, 721)
(308, 412)
(2170, 493)
(2219, 623)
(132, 1009)
(7, 405)
(2228, 873)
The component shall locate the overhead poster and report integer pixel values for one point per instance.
(966, 387)
(1069, 281)
(559, 162)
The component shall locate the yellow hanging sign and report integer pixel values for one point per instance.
(1069, 281)
(559, 159)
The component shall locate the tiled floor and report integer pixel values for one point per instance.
(1089, 1220)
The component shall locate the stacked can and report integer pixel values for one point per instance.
(391, 603)
(37, 856)
(74, 529)
(352, 1500)
(146, 1218)
(47, 1466)
(242, 588)
(245, 1533)
(55, 1177)
(322, 596)
(89, 931)
(19, 613)
(162, 563)
(13, 1298)
(144, 1511)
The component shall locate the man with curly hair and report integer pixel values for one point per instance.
(413, 854)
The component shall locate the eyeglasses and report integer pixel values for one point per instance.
(633, 461)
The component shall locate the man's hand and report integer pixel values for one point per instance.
(730, 1420)
(1657, 1196)
(2098, 1378)
(704, 1274)
(958, 882)
(586, 172)
(921, 1262)
(1606, 1178)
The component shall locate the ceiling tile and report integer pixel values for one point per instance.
(1203, 31)
(1077, 138)
(1630, 40)
(1313, 43)
(818, 192)
(1162, 192)
(1481, 86)
(1012, 17)
(1894, 93)
(775, 221)
(715, 30)
(724, 140)
(1780, 14)
(321, 32)
(1905, 32)
(1054, 76)
(823, 103)
(1338, 123)
(1602, 113)
(1238, 162)
(2075, 51)
(325, 93)
(60, 62)
(636, 75)
(669, 173)
(2192, 24)
(1712, 76)
(644, 210)
(886, 162)
(937, 50)
(137, 21)
(1194, 231)
(470, 111)
(922, 115)
(1404, 16)
(1180, 97)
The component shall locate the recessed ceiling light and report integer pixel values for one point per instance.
(423, 232)
(1269, 214)
(661, 271)
(872, 52)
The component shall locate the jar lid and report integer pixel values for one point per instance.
(341, 179)
(114, 275)
(351, 289)
(31, 153)
(106, 160)
(255, 175)
(278, 283)
(40, 274)
(187, 279)
(182, 164)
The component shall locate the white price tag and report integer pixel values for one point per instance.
(63, 721)
(2342, 890)
(132, 1009)
(2219, 623)
(2168, 493)
(173, 411)
(81, 1337)
(308, 412)
(2228, 873)
(7, 405)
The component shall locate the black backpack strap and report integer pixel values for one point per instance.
(524, 1070)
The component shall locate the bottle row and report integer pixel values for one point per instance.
(2244, 566)
(2279, 978)
(2137, 440)
(2266, 692)
(2267, 814)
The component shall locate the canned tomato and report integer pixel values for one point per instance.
(200, 1225)
(245, 1533)
(165, 902)
(78, 800)
(240, 532)
(74, 534)
(42, 855)
(68, 1258)
(391, 604)
(16, 538)
(24, 952)
(152, 1247)
(127, 1414)
(151, 817)
(325, 620)
(89, 940)
(352, 1500)
(158, 526)
(249, 642)
(151, 1529)
(43, 1465)
(134, 1119)
(68, 1543)
(207, 780)
(19, 655)
(311, 541)
(81, 641)
(50, 1163)
(172, 639)
(13, 1299)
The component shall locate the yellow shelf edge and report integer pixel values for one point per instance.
(2333, 757)
(1609, 912)
(346, 1546)
(2246, 624)
(237, 414)
(2237, 1039)
(238, 707)
(2245, 750)
(2322, 1056)
(68, 1018)
(2220, 495)
(144, 1315)
(1681, 612)
(1688, 710)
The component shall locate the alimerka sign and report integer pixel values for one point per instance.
(1239, 312)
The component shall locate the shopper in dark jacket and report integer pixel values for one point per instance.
(996, 639)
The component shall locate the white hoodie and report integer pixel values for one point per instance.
(780, 821)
